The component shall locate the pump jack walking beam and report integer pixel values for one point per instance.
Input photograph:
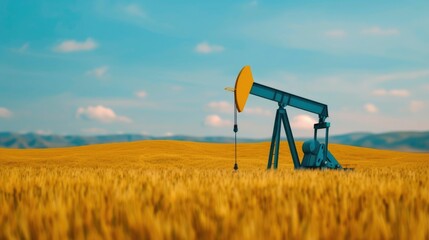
(287, 99)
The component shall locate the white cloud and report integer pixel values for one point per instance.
(43, 132)
(253, 3)
(380, 92)
(377, 31)
(258, 111)
(94, 131)
(75, 46)
(24, 47)
(101, 114)
(371, 108)
(5, 113)
(303, 121)
(206, 48)
(416, 106)
(169, 134)
(134, 10)
(117, 102)
(141, 94)
(175, 88)
(226, 107)
(393, 92)
(144, 133)
(336, 33)
(402, 76)
(216, 121)
(221, 106)
(399, 92)
(98, 72)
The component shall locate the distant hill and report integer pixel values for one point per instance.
(401, 141)
(33, 140)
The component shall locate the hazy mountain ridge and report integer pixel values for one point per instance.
(403, 141)
(33, 140)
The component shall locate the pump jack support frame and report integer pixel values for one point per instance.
(281, 116)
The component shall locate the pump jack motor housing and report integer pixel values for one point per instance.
(316, 154)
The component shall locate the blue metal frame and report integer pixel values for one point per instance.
(325, 159)
(287, 99)
(281, 116)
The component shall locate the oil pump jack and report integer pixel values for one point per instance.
(316, 154)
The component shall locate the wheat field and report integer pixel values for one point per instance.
(185, 190)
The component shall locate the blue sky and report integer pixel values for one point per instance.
(160, 68)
